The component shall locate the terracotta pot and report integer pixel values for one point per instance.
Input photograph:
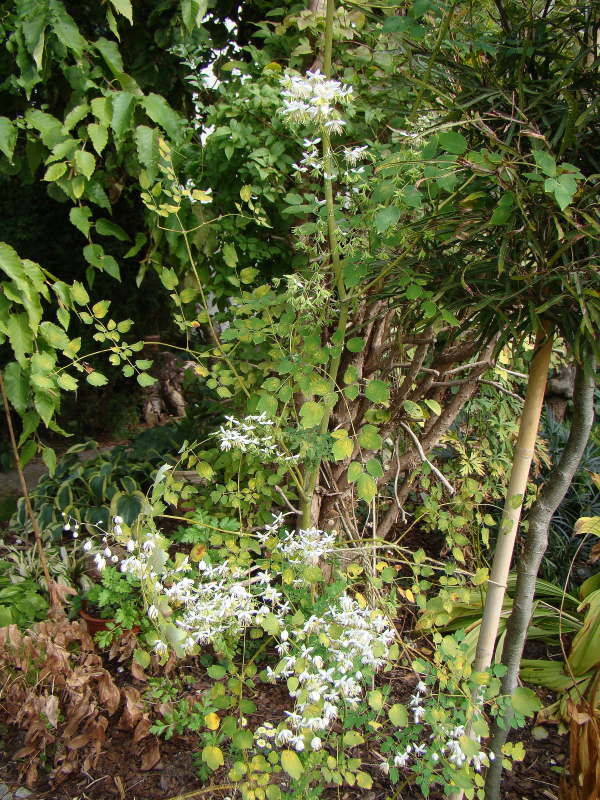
(97, 624)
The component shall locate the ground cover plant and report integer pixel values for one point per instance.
(374, 227)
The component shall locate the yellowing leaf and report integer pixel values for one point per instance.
(292, 764)
(212, 721)
(213, 757)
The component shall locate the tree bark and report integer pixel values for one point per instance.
(550, 497)
(517, 485)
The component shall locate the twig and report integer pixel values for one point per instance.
(54, 597)
(222, 788)
(502, 388)
(286, 501)
(425, 460)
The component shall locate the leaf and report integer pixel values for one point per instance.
(160, 112)
(146, 140)
(216, 672)
(65, 28)
(19, 333)
(587, 525)
(79, 293)
(85, 163)
(355, 470)
(398, 715)
(100, 309)
(111, 55)
(99, 136)
(364, 780)
(374, 468)
(55, 336)
(525, 701)
(122, 109)
(96, 379)
(453, 142)
(369, 438)
(342, 448)
(124, 8)
(545, 162)
(212, 721)
(378, 391)
(413, 409)
(230, 255)
(353, 739)
(386, 217)
(80, 217)
(17, 387)
(8, 137)
(375, 698)
(213, 757)
(67, 382)
(311, 414)
(366, 487)
(433, 406)
(145, 380)
(107, 228)
(292, 764)
(55, 171)
(356, 344)
(49, 458)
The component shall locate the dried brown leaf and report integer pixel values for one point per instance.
(150, 755)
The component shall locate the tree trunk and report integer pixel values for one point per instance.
(540, 517)
(517, 485)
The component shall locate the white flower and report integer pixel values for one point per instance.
(153, 612)
(118, 520)
(100, 562)
(131, 545)
(87, 545)
(316, 743)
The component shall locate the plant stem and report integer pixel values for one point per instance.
(53, 594)
(540, 517)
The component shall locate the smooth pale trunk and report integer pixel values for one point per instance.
(540, 517)
(517, 485)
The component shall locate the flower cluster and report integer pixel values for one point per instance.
(306, 546)
(446, 741)
(251, 435)
(312, 99)
(334, 655)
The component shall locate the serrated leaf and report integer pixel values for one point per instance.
(96, 379)
(453, 142)
(230, 256)
(141, 657)
(364, 780)
(49, 459)
(355, 470)
(80, 217)
(342, 448)
(386, 217)
(413, 410)
(311, 414)
(122, 110)
(369, 438)
(160, 112)
(98, 135)
(106, 227)
(8, 137)
(145, 380)
(525, 701)
(17, 387)
(85, 163)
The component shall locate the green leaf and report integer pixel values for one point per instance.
(79, 292)
(369, 438)
(453, 142)
(65, 28)
(342, 448)
(292, 764)
(45, 404)
(355, 470)
(375, 698)
(96, 379)
(124, 8)
(525, 701)
(122, 110)
(433, 406)
(85, 163)
(8, 137)
(80, 217)
(374, 468)
(378, 391)
(100, 309)
(55, 171)
(145, 380)
(141, 657)
(413, 409)
(67, 382)
(398, 715)
(49, 458)
(160, 112)
(353, 739)
(386, 217)
(248, 274)
(311, 414)
(17, 387)
(98, 135)
(19, 334)
(55, 336)
(107, 228)
(146, 140)
(366, 487)
(230, 255)
(110, 53)
(356, 344)
(545, 162)
(216, 672)
(213, 757)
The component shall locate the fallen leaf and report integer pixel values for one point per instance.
(150, 755)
